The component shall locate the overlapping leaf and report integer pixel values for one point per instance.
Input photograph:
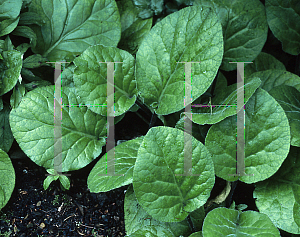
(283, 19)
(6, 136)
(10, 68)
(275, 77)
(278, 197)
(263, 62)
(90, 79)
(245, 29)
(227, 222)
(71, 26)
(267, 140)
(224, 103)
(83, 132)
(191, 34)
(9, 15)
(136, 218)
(159, 188)
(7, 178)
(125, 157)
(289, 99)
(134, 29)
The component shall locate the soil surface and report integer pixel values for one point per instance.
(33, 211)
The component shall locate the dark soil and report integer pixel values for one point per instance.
(33, 211)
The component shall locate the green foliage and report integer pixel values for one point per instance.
(7, 178)
(283, 17)
(170, 172)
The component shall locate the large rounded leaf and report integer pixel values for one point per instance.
(274, 77)
(157, 183)
(283, 18)
(90, 79)
(9, 13)
(296, 209)
(289, 99)
(263, 62)
(136, 218)
(192, 34)
(267, 140)
(125, 157)
(227, 222)
(71, 26)
(245, 29)
(10, 68)
(7, 179)
(278, 196)
(134, 29)
(32, 124)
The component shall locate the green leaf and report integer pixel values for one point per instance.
(197, 218)
(11, 67)
(245, 29)
(35, 84)
(137, 218)
(34, 61)
(283, 18)
(83, 132)
(67, 76)
(48, 181)
(53, 172)
(30, 18)
(275, 77)
(7, 26)
(7, 179)
(186, 2)
(225, 103)
(23, 47)
(90, 79)
(196, 234)
(29, 75)
(296, 209)
(289, 99)
(72, 26)
(27, 32)
(1, 103)
(7, 45)
(149, 7)
(227, 222)
(278, 195)
(6, 136)
(164, 195)
(65, 181)
(9, 12)
(195, 36)
(151, 231)
(134, 29)
(198, 131)
(220, 84)
(267, 140)
(157, 6)
(263, 62)
(125, 157)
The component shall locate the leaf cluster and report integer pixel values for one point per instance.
(70, 70)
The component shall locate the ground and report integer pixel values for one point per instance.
(33, 211)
